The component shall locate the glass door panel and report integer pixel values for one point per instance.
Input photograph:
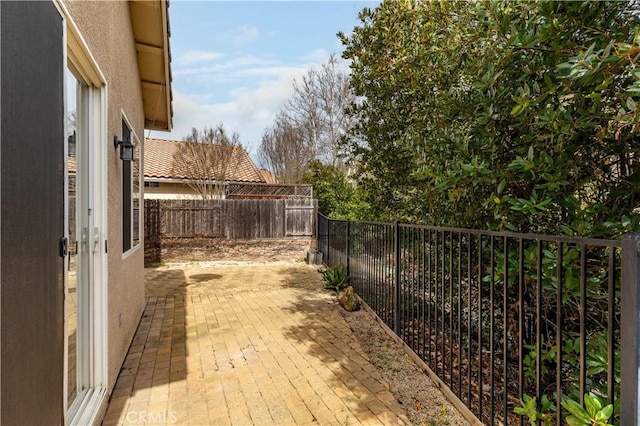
(79, 269)
(71, 300)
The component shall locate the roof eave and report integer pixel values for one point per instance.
(150, 21)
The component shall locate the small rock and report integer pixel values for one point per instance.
(348, 299)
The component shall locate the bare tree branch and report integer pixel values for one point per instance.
(315, 113)
(285, 152)
(207, 158)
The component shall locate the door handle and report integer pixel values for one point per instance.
(96, 239)
(83, 240)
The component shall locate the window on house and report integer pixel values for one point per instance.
(135, 196)
(130, 193)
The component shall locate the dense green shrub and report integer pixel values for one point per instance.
(338, 197)
(507, 116)
(499, 114)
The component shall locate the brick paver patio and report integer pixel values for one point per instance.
(246, 344)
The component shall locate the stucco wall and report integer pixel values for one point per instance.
(106, 27)
(170, 191)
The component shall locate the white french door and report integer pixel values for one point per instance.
(85, 275)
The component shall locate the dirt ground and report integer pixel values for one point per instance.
(215, 249)
(421, 400)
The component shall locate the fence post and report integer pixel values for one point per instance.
(396, 289)
(152, 240)
(348, 250)
(630, 331)
(316, 220)
(328, 241)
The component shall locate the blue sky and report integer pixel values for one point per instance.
(235, 62)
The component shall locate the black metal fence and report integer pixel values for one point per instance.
(503, 317)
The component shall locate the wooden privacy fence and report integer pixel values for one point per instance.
(233, 219)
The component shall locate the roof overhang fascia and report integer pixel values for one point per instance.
(150, 21)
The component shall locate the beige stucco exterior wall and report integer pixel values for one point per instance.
(106, 27)
(171, 191)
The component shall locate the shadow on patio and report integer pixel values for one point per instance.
(156, 358)
(261, 344)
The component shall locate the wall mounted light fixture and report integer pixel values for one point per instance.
(126, 149)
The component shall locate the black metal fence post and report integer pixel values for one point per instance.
(348, 250)
(328, 263)
(318, 236)
(630, 331)
(396, 289)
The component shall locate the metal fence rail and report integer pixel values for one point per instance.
(500, 315)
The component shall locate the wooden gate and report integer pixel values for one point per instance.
(299, 218)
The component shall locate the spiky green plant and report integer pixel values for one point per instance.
(335, 278)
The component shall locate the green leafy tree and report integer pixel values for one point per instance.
(521, 112)
(337, 196)
(506, 115)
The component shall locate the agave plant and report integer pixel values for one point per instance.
(335, 278)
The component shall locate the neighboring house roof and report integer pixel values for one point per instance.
(160, 162)
(71, 165)
(150, 21)
(268, 176)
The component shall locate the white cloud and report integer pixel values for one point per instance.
(183, 108)
(233, 69)
(316, 56)
(245, 92)
(272, 71)
(234, 64)
(240, 36)
(198, 56)
(249, 111)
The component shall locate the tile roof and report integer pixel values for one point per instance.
(268, 176)
(161, 162)
(71, 164)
